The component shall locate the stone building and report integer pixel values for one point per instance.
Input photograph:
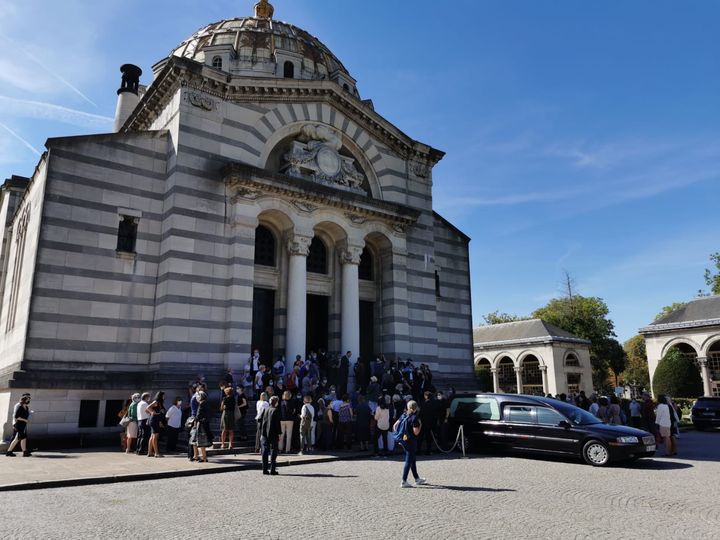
(249, 197)
(533, 357)
(694, 330)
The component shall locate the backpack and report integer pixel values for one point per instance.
(345, 415)
(401, 435)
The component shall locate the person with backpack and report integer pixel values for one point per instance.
(406, 431)
(345, 417)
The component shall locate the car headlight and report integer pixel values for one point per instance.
(628, 440)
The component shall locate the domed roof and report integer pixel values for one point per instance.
(258, 41)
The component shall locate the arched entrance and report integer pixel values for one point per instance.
(713, 364)
(531, 376)
(483, 375)
(507, 381)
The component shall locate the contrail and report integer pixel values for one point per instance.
(48, 111)
(19, 138)
(48, 70)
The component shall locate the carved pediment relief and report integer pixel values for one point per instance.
(315, 155)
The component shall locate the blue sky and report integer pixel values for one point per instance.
(580, 135)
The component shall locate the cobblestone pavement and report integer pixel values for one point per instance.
(480, 497)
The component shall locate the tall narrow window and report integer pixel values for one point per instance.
(217, 62)
(365, 270)
(289, 70)
(20, 238)
(127, 234)
(264, 246)
(317, 259)
(437, 283)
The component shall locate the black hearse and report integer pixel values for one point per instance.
(545, 426)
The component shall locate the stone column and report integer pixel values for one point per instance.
(296, 327)
(350, 317)
(518, 379)
(705, 373)
(496, 380)
(543, 372)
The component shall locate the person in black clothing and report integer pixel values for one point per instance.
(270, 436)
(20, 422)
(203, 436)
(343, 373)
(243, 406)
(443, 409)
(428, 417)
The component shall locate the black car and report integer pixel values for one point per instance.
(543, 425)
(706, 413)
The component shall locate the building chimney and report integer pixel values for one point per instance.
(128, 97)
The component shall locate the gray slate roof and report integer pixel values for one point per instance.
(533, 329)
(700, 309)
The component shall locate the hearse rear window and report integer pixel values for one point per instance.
(478, 408)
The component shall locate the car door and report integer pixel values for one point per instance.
(551, 436)
(520, 426)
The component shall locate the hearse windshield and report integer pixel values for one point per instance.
(576, 415)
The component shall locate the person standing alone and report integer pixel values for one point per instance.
(270, 436)
(21, 417)
(407, 429)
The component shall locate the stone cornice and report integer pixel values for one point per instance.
(669, 327)
(183, 72)
(247, 182)
(544, 340)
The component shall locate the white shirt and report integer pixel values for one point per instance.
(174, 417)
(142, 410)
(594, 409)
(258, 380)
(308, 410)
(635, 409)
(256, 362)
(279, 367)
(382, 416)
(662, 415)
(260, 406)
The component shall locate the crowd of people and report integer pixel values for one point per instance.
(661, 418)
(316, 407)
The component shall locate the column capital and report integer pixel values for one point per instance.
(493, 370)
(517, 369)
(298, 244)
(702, 361)
(543, 369)
(350, 254)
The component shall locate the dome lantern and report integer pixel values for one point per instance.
(264, 10)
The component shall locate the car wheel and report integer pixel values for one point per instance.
(596, 453)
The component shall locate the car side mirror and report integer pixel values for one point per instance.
(565, 424)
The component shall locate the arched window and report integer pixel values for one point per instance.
(365, 270)
(317, 259)
(217, 62)
(572, 360)
(346, 87)
(264, 246)
(289, 70)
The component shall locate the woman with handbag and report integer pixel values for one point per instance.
(227, 418)
(131, 429)
(157, 411)
(203, 438)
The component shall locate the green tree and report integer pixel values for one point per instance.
(587, 318)
(636, 370)
(712, 277)
(677, 376)
(667, 310)
(614, 354)
(496, 317)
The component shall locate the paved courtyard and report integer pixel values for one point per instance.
(480, 497)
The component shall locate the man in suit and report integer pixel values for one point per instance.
(270, 435)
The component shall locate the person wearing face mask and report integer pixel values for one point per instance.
(174, 422)
(131, 430)
(21, 417)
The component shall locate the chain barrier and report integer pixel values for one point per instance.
(460, 439)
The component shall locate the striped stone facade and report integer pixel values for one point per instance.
(197, 167)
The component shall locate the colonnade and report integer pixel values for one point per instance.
(298, 247)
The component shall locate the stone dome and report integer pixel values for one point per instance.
(262, 47)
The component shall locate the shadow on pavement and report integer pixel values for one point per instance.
(54, 456)
(465, 488)
(656, 465)
(320, 475)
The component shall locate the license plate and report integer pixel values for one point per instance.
(650, 448)
(708, 414)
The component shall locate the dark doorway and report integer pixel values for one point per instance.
(367, 331)
(263, 323)
(317, 322)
